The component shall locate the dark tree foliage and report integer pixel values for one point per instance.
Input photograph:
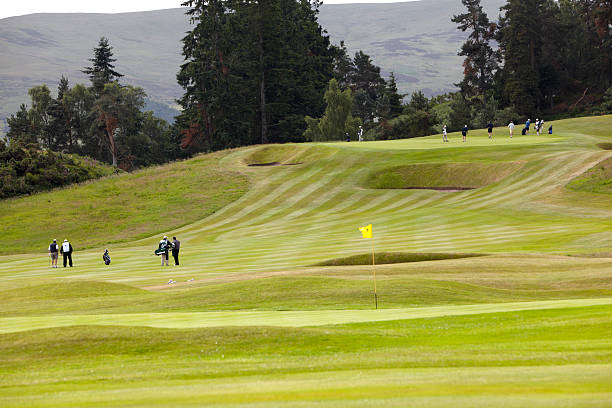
(481, 61)
(395, 99)
(29, 169)
(102, 70)
(252, 71)
(344, 68)
(369, 88)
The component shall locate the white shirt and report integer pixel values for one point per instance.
(65, 246)
(511, 125)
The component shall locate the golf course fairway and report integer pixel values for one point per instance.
(496, 286)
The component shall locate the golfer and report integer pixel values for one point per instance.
(444, 134)
(511, 127)
(165, 245)
(54, 253)
(464, 132)
(490, 130)
(527, 124)
(176, 246)
(66, 251)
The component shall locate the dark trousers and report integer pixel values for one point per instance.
(67, 256)
(175, 255)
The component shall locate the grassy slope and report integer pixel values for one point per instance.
(248, 260)
(120, 208)
(597, 179)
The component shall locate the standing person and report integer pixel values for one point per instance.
(66, 251)
(540, 125)
(360, 134)
(176, 246)
(106, 257)
(464, 132)
(54, 253)
(550, 130)
(444, 134)
(527, 124)
(165, 245)
(490, 129)
(511, 127)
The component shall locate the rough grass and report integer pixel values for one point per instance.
(442, 175)
(275, 154)
(120, 208)
(391, 258)
(597, 179)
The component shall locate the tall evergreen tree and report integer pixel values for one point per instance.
(344, 69)
(369, 87)
(395, 99)
(520, 43)
(252, 70)
(102, 70)
(20, 127)
(481, 61)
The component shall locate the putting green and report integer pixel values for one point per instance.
(281, 318)
(455, 140)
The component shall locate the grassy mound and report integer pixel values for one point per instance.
(121, 207)
(605, 146)
(392, 257)
(275, 155)
(442, 175)
(597, 179)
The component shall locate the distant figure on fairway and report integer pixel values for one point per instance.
(66, 250)
(106, 257)
(360, 134)
(511, 127)
(540, 126)
(490, 129)
(347, 137)
(536, 125)
(464, 132)
(176, 246)
(527, 124)
(54, 253)
(165, 246)
(550, 130)
(444, 134)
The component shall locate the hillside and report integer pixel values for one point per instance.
(416, 40)
(498, 295)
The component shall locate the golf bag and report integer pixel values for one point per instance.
(524, 131)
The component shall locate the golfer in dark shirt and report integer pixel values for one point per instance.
(176, 246)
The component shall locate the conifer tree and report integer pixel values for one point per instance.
(102, 70)
(481, 61)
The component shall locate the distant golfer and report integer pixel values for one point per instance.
(360, 134)
(165, 246)
(444, 134)
(550, 130)
(464, 132)
(540, 126)
(511, 127)
(490, 129)
(66, 250)
(106, 257)
(176, 246)
(54, 253)
(527, 124)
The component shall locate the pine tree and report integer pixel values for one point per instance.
(520, 43)
(20, 127)
(395, 99)
(344, 69)
(102, 70)
(481, 61)
(369, 86)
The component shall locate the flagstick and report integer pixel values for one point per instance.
(374, 273)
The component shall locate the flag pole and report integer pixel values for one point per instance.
(374, 273)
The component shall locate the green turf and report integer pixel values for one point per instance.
(252, 321)
(597, 179)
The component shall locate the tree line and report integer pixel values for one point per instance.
(104, 120)
(264, 71)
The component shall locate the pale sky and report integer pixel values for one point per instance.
(18, 8)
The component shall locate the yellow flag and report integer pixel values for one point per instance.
(366, 231)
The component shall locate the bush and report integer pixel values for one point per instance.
(29, 169)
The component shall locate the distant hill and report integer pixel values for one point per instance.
(416, 40)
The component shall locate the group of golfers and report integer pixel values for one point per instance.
(65, 249)
(538, 125)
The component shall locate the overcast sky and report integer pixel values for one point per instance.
(18, 8)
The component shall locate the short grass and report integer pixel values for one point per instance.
(391, 258)
(249, 320)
